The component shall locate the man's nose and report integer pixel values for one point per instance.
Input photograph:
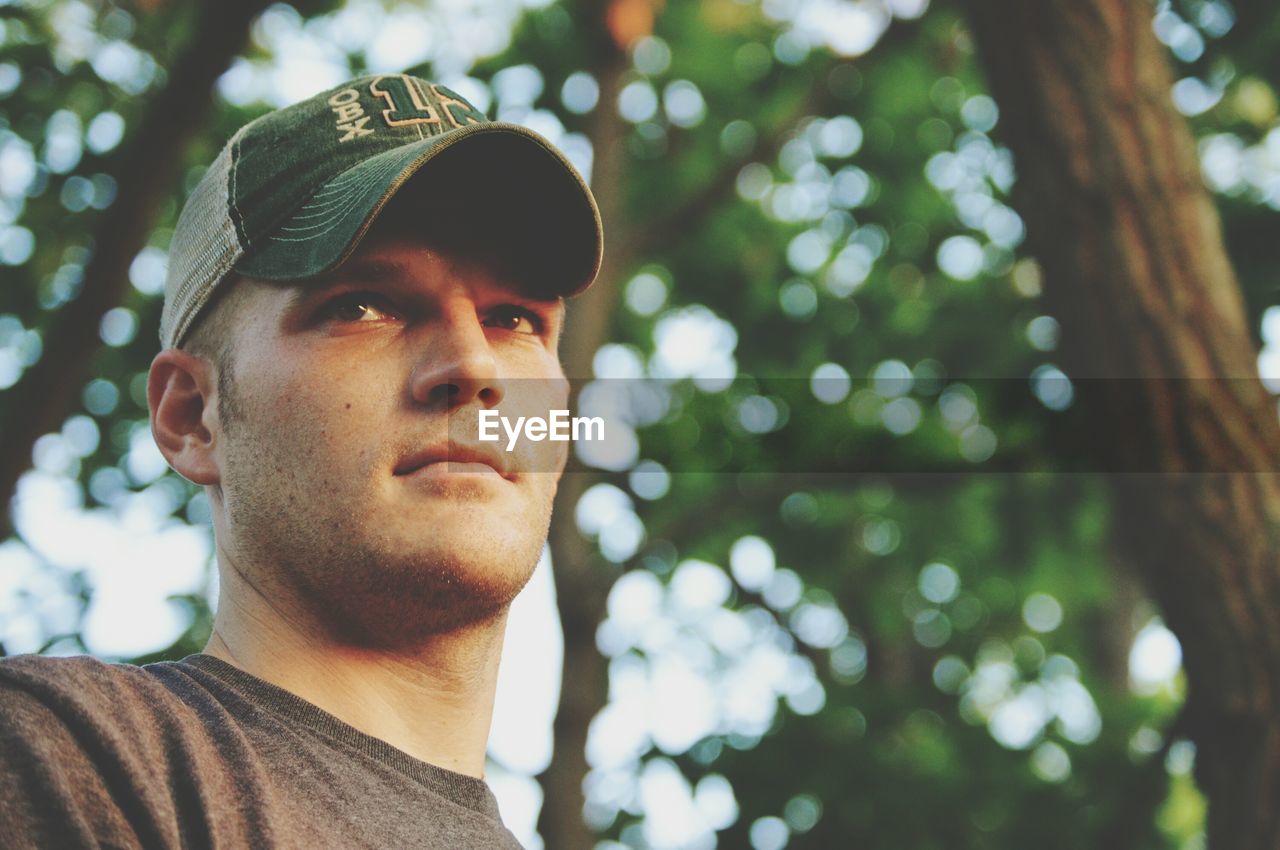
(456, 365)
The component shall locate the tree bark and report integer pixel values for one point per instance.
(1136, 271)
(582, 578)
(144, 169)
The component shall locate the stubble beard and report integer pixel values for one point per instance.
(299, 543)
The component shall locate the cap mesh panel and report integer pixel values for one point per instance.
(204, 249)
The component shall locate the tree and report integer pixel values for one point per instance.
(146, 166)
(1137, 271)
(825, 602)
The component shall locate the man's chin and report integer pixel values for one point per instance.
(405, 605)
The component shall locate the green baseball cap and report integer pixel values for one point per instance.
(293, 192)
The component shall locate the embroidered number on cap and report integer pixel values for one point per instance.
(407, 106)
(459, 111)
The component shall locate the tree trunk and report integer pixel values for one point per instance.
(1136, 271)
(582, 578)
(144, 169)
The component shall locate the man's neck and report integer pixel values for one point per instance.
(434, 702)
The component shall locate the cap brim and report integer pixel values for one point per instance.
(523, 190)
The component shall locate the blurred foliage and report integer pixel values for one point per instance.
(846, 211)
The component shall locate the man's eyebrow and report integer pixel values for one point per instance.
(379, 272)
(366, 272)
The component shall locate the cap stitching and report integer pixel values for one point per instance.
(237, 218)
(328, 224)
(328, 190)
(327, 206)
(316, 211)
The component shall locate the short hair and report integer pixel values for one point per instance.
(211, 338)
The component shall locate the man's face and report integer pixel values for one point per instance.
(345, 385)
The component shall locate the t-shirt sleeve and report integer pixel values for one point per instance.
(87, 754)
(55, 779)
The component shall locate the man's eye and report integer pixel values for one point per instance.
(518, 319)
(356, 307)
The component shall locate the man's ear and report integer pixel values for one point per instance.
(181, 391)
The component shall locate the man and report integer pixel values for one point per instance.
(352, 281)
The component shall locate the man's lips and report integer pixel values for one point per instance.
(455, 453)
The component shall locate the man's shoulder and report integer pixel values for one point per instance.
(83, 668)
(89, 753)
(75, 676)
(80, 689)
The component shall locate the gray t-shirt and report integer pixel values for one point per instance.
(200, 754)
